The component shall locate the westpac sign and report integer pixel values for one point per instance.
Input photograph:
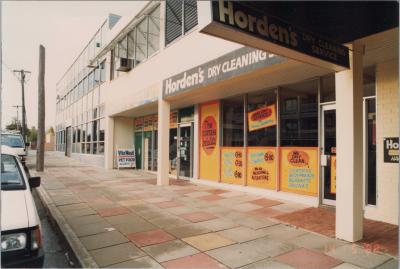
(239, 22)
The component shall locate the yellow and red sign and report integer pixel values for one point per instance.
(232, 165)
(261, 167)
(209, 137)
(333, 174)
(299, 170)
(262, 118)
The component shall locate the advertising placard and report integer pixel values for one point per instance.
(126, 158)
(209, 137)
(261, 167)
(232, 165)
(262, 118)
(333, 174)
(391, 149)
(299, 170)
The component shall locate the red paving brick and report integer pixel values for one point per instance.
(217, 191)
(306, 259)
(265, 212)
(265, 202)
(150, 237)
(168, 204)
(113, 211)
(198, 216)
(211, 197)
(199, 260)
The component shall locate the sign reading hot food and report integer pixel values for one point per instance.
(245, 23)
(209, 134)
(262, 118)
(299, 170)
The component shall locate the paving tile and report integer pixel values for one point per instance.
(267, 264)
(307, 259)
(188, 230)
(391, 264)
(157, 200)
(316, 242)
(355, 255)
(198, 216)
(238, 255)
(245, 207)
(208, 241)
(170, 250)
(79, 212)
(216, 209)
(217, 191)
(125, 218)
(186, 190)
(127, 203)
(179, 210)
(255, 223)
(210, 198)
(152, 213)
(288, 208)
(92, 228)
(265, 202)
(103, 240)
(84, 220)
(135, 227)
(243, 234)
(150, 237)
(168, 221)
(231, 194)
(144, 262)
(197, 194)
(66, 208)
(346, 265)
(116, 254)
(218, 224)
(113, 211)
(283, 232)
(199, 260)
(266, 212)
(169, 204)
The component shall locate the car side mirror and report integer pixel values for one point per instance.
(27, 144)
(34, 182)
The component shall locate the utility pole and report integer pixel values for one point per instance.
(41, 112)
(17, 107)
(22, 78)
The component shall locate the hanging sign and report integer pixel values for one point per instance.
(333, 174)
(126, 158)
(232, 165)
(262, 118)
(299, 170)
(391, 149)
(245, 23)
(261, 167)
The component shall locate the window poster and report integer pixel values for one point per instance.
(232, 165)
(262, 118)
(333, 174)
(299, 170)
(209, 141)
(261, 167)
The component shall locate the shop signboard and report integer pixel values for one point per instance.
(148, 123)
(299, 170)
(126, 158)
(209, 137)
(333, 174)
(244, 23)
(262, 118)
(391, 149)
(138, 124)
(232, 165)
(261, 167)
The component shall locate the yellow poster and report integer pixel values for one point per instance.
(261, 167)
(262, 118)
(299, 170)
(333, 174)
(232, 165)
(209, 141)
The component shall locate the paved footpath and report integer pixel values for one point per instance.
(122, 219)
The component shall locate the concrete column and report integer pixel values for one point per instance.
(195, 135)
(163, 142)
(349, 148)
(109, 143)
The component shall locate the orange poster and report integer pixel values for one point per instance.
(209, 141)
(262, 118)
(232, 165)
(261, 167)
(333, 174)
(299, 170)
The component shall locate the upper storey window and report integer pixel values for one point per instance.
(181, 17)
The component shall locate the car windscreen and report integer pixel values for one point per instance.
(11, 140)
(11, 177)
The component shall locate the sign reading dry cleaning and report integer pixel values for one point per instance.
(241, 23)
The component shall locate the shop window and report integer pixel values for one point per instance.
(101, 148)
(103, 71)
(369, 79)
(370, 107)
(262, 135)
(141, 41)
(181, 17)
(233, 121)
(101, 129)
(328, 88)
(112, 64)
(173, 136)
(131, 46)
(299, 114)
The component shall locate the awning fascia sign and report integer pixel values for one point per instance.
(238, 22)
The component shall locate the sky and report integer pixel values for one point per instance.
(63, 28)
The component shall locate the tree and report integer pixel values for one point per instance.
(14, 125)
(33, 134)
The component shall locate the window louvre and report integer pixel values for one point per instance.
(190, 14)
(173, 23)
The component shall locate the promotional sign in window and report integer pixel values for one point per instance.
(261, 167)
(391, 149)
(209, 137)
(126, 158)
(148, 123)
(173, 119)
(333, 174)
(299, 170)
(232, 165)
(138, 124)
(262, 118)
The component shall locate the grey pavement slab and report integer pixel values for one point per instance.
(103, 240)
(125, 218)
(267, 264)
(66, 208)
(144, 262)
(84, 220)
(170, 250)
(151, 213)
(92, 228)
(219, 224)
(316, 242)
(168, 222)
(242, 234)
(255, 223)
(283, 232)
(346, 265)
(79, 212)
(179, 210)
(239, 255)
(353, 254)
(116, 254)
(135, 227)
(391, 264)
(188, 230)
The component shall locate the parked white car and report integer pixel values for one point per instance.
(15, 143)
(21, 242)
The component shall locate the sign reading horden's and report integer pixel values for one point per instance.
(239, 22)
